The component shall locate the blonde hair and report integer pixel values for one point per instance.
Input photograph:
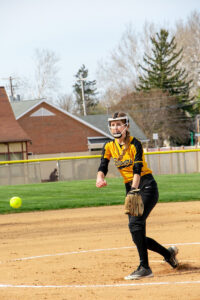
(127, 137)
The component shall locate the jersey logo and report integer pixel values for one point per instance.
(123, 164)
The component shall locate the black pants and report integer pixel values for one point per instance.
(137, 225)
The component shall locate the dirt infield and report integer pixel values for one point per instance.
(85, 253)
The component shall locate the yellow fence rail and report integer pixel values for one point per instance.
(85, 167)
(88, 157)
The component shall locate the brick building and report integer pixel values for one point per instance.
(56, 131)
(13, 139)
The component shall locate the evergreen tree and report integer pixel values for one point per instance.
(89, 90)
(162, 70)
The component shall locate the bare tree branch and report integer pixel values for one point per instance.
(46, 70)
(188, 37)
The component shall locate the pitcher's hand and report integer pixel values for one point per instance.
(101, 182)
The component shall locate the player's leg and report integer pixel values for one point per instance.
(150, 197)
(137, 227)
(169, 254)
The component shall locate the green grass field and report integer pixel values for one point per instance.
(72, 194)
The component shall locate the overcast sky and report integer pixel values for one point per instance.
(78, 31)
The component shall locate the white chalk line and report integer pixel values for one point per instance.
(100, 285)
(92, 250)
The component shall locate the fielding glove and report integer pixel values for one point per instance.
(133, 203)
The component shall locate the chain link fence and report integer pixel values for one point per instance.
(81, 168)
(20, 173)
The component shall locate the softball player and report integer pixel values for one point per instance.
(128, 156)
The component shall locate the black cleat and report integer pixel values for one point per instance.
(141, 272)
(172, 261)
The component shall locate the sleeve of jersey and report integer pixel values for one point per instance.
(105, 159)
(138, 162)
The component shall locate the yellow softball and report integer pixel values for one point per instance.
(15, 202)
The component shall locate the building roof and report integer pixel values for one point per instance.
(20, 107)
(101, 121)
(10, 131)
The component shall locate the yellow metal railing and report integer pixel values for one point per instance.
(89, 157)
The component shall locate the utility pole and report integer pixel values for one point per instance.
(11, 86)
(83, 96)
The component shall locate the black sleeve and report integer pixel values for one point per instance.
(104, 162)
(138, 161)
(104, 166)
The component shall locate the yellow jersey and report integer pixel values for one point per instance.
(133, 161)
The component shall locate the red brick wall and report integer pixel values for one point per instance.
(55, 134)
(10, 131)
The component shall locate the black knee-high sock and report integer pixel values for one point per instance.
(140, 241)
(156, 247)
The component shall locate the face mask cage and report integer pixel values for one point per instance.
(118, 135)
